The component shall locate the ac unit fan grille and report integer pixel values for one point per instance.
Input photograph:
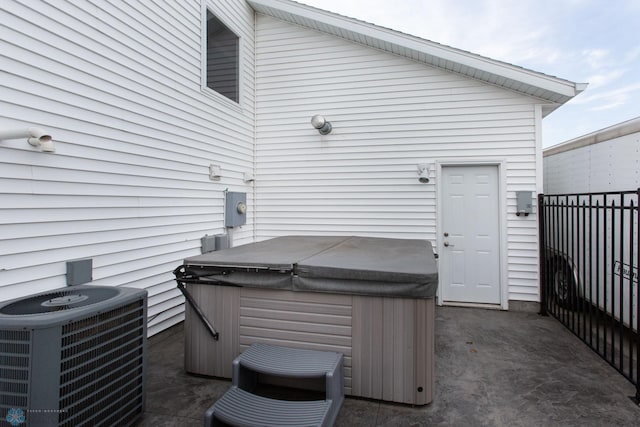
(14, 369)
(102, 363)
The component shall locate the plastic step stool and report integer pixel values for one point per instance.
(239, 407)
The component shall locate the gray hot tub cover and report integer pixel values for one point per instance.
(336, 264)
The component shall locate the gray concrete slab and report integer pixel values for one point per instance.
(493, 368)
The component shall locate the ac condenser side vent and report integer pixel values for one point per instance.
(78, 366)
(14, 369)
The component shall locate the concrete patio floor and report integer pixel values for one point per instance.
(493, 368)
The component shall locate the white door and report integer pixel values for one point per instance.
(470, 240)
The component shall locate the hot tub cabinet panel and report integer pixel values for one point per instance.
(393, 349)
(388, 343)
(204, 355)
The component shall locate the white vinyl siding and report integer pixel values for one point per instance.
(118, 86)
(388, 115)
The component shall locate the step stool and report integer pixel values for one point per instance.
(239, 407)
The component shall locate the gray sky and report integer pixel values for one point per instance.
(584, 41)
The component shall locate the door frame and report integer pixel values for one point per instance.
(502, 224)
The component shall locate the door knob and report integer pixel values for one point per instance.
(446, 243)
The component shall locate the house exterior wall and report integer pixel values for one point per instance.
(119, 86)
(388, 115)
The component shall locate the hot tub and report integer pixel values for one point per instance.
(371, 299)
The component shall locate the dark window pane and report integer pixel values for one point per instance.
(222, 58)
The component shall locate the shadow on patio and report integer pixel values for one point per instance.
(493, 368)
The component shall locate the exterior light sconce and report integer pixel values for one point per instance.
(320, 123)
(35, 137)
(423, 174)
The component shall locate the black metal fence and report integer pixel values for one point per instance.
(589, 272)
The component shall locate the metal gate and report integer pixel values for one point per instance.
(589, 272)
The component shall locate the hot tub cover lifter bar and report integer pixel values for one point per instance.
(181, 272)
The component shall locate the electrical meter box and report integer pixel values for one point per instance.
(235, 213)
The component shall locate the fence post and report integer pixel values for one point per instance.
(637, 302)
(541, 255)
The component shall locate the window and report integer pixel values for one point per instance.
(222, 58)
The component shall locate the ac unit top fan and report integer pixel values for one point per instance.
(58, 300)
(74, 356)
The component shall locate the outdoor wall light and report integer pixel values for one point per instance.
(320, 123)
(35, 136)
(423, 174)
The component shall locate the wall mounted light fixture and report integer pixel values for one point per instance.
(423, 174)
(320, 123)
(35, 136)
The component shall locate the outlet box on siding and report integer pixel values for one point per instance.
(79, 271)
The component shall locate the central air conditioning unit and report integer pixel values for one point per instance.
(74, 356)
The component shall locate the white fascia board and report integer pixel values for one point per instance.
(511, 72)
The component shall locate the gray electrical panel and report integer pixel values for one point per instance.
(214, 243)
(235, 209)
(208, 244)
(524, 202)
(222, 242)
